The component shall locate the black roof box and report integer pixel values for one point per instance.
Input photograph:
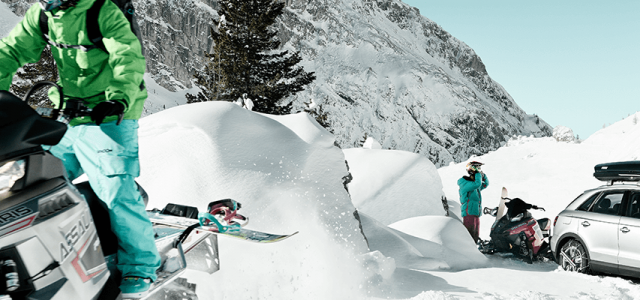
(618, 171)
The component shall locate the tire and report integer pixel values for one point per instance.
(573, 257)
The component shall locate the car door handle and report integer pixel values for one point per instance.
(625, 229)
(585, 223)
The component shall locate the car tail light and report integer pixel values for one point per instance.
(554, 221)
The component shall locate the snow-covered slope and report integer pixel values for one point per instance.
(8, 20)
(382, 70)
(199, 152)
(289, 176)
(388, 72)
(545, 171)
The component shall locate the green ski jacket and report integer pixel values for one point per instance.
(93, 75)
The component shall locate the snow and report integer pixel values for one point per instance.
(286, 182)
(8, 20)
(563, 134)
(382, 178)
(289, 176)
(371, 143)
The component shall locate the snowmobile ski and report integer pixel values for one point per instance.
(174, 255)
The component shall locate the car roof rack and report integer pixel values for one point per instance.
(611, 182)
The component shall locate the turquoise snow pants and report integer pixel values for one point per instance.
(108, 154)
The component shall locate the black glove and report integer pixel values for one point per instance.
(105, 109)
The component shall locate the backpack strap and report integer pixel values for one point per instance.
(44, 25)
(44, 28)
(93, 28)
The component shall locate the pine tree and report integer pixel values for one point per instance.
(246, 60)
(45, 69)
(364, 139)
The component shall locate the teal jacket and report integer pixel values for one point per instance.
(92, 75)
(470, 196)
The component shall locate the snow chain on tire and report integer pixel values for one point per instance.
(573, 253)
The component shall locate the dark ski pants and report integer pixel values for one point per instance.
(472, 223)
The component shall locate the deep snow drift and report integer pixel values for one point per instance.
(290, 177)
(286, 181)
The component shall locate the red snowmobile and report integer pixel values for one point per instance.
(517, 231)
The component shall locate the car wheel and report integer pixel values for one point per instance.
(573, 257)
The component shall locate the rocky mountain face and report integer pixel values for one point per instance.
(383, 71)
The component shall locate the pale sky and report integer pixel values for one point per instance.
(572, 62)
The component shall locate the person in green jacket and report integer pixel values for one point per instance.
(111, 83)
(471, 198)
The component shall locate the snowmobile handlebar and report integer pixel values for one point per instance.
(494, 211)
(538, 208)
(73, 108)
(490, 211)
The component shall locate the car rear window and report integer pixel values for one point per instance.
(585, 206)
(609, 203)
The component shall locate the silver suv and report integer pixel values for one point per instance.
(600, 231)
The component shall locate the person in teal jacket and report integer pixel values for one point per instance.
(111, 83)
(471, 199)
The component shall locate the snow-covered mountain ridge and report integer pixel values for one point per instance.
(382, 69)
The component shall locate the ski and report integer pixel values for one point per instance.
(501, 207)
(241, 233)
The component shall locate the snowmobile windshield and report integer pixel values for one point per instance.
(516, 207)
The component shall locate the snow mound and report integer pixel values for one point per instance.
(563, 134)
(392, 185)
(371, 143)
(287, 180)
(448, 239)
(424, 243)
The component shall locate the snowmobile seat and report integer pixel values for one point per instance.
(101, 219)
